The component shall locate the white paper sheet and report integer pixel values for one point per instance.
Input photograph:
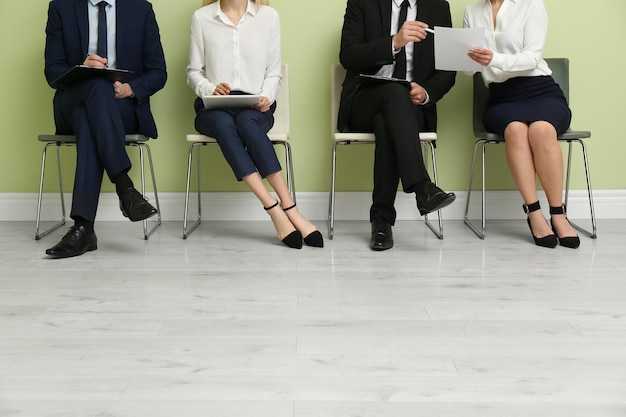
(452, 46)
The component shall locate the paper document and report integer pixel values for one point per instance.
(452, 46)
(237, 101)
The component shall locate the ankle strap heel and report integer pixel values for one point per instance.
(271, 207)
(549, 241)
(558, 210)
(571, 242)
(529, 208)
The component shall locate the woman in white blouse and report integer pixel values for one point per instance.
(235, 49)
(525, 106)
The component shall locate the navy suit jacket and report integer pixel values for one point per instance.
(138, 48)
(366, 45)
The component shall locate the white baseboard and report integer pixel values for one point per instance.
(608, 204)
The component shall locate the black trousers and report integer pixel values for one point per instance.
(387, 110)
(90, 111)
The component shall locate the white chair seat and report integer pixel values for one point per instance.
(369, 137)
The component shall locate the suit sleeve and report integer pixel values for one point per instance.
(154, 73)
(56, 62)
(357, 53)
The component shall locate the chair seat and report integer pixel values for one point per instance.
(369, 137)
(132, 138)
(569, 135)
(560, 73)
(199, 138)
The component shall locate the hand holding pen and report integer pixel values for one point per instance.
(96, 61)
(411, 31)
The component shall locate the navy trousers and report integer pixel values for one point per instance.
(90, 111)
(387, 110)
(242, 137)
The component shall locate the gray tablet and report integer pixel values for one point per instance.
(230, 102)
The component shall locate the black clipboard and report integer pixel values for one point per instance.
(81, 72)
(367, 79)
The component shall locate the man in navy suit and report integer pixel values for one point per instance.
(388, 38)
(118, 34)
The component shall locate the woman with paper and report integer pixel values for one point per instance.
(526, 106)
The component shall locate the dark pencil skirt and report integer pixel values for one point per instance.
(527, 100)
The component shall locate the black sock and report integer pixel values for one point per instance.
(420, 187)
(122, 182)
(79, 221)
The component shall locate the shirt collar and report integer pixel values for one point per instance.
(251, 9)
(488, 2)
(412, 3)
(95, 2)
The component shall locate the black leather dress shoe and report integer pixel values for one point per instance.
(135, 206)
(432, 198)
(382, 238)
(75, 242)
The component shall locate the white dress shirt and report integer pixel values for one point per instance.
(92, 11)
(517, 40)
(246, 55)
(411, 14)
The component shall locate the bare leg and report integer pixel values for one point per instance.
(281, 222)
(519, 155)
(549, 165)
(278, 183)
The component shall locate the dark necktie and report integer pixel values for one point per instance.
(400, 69)
(102, 30)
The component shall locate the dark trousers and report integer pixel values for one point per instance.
(386, 110)
(90, 111)
(242, 137)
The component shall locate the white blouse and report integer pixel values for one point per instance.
(246, 55)
(517, 40)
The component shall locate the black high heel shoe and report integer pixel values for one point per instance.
(314, 238)
(571, 242)
(549, 241)
(293, 239)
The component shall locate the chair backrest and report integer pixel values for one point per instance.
(337, 75)
(560, 73)
(282, 115)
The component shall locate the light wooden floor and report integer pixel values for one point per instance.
(230, 323)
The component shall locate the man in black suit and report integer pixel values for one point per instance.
(388, 38)
(118, 34)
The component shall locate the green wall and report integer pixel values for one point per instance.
(590, 34)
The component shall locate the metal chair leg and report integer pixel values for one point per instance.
(439, 230)
(593, 233)
(331, 196)
(479, 232)
(187, 230)
(39, 235)
(144, 147)
(291, 186)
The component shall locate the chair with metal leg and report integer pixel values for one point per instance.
(278, 135)
(560, 73)
(60, 141)
(428, 141)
